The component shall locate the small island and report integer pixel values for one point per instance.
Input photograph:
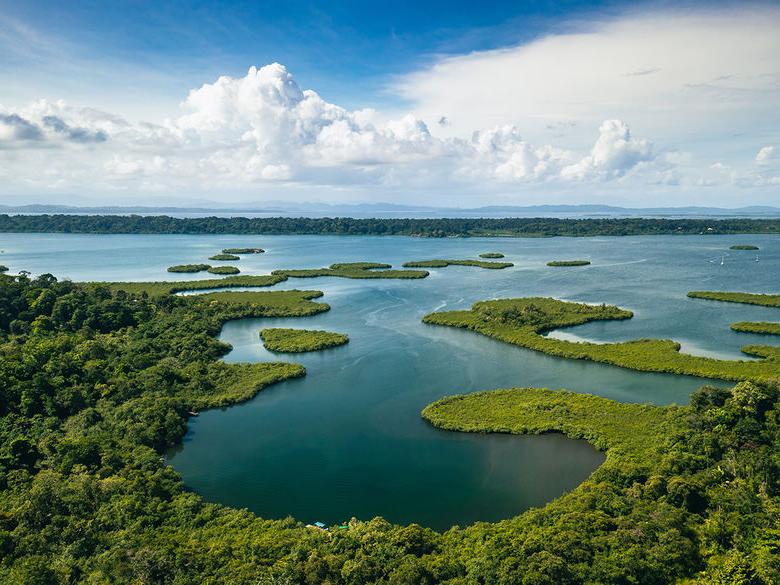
(762, 327)
(189, 268)
(491, 255)
(300, 340)
(445, 263)
(223, 270)
(243, 251)
(764, 300)
(568, 263)
(358, 270)
(744, 247)
(224, 257)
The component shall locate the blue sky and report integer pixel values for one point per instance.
(346, 50)
(463, 104)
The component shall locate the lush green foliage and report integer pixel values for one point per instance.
(744, 247)
(353, 270)
(96, 383)
(681, 489)
(161, 288)
(737, 297)
(299, 340)
(524, 321)
(224, 257)
(491, 255)
(445, 263)
(243, 251)
(223, 270)
(430, 227)
(189, 268)
(568, 263)
(757, 327)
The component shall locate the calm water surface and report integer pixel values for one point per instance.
(347, 440)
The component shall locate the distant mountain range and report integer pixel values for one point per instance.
(393, 210)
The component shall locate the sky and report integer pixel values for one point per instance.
(451, 104)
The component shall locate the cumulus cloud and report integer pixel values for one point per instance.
(15, 129)
(615, 153)
(263, 129)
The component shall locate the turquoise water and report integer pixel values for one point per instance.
(347, 440)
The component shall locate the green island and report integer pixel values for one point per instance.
(87, 497)
(357, 270)
(569, 263)
(524, 321)
(224, 257)
(189, 268)
(530, 227)
(765, 300)
(223, 270)
(445, 263)
(491, 255)
(300, 340)
(744, 247)
(757, 327)
(243, 251)
(157, 288)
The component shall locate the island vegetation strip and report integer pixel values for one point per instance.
(445, 263)
(432, 227)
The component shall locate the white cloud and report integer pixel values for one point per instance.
(263, 128)
(685, 75)
(615, 153)
(765, 154)
(261, 133)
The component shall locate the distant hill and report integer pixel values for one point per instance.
(385, 210)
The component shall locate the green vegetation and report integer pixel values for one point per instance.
(224, 257)
(299, 340)
(163, 288)
(524, 321)
(353, 270)
(568, 263)
(444, 263)
(757, 327)
(684, 491)
(276, 303)
(97, 383)
(430, 227)
(737, 297)
(744, 247)
(491, 255)
(223, 270)
(243, 251)
(3, 269)
(189, 268)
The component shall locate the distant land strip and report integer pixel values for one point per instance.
(429, 227)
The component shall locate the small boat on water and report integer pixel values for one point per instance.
(722, 260)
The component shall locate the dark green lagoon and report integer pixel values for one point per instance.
(347, 440)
